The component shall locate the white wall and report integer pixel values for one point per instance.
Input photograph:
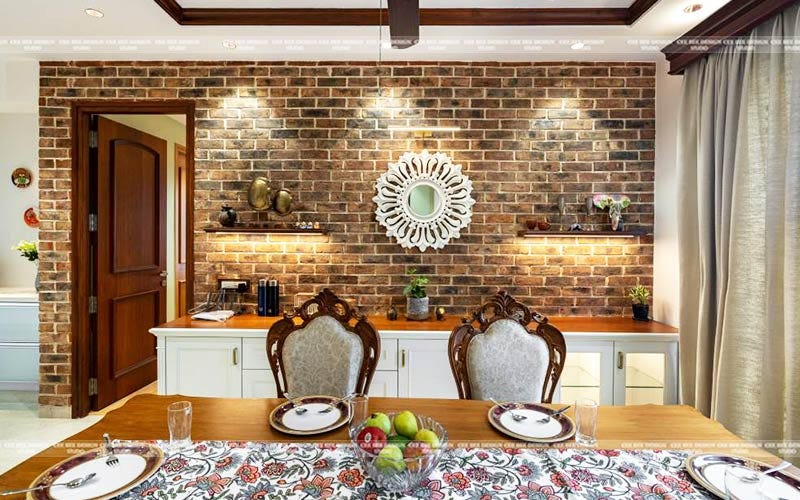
(174, 132)
(666, 271)
(19, 143)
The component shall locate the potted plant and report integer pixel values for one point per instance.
(30, 251)
(417, 307)
(639, 296)
(615, 204)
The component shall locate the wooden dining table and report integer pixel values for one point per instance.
(619, 427)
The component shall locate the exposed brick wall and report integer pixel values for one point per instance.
(530, 132)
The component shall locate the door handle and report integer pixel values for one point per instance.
(620, 360)
(403, 358)
(235, 356)
(163, 274)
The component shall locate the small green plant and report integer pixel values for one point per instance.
(415, 287)
(639, 294)
(27, 249)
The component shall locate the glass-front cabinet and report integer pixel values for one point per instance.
(620, 372)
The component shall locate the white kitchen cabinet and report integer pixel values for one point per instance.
(424, 370)
(588, 373)
(258, 384)
(19, 340)
(384, 384)
(646, 373)
(204, 366)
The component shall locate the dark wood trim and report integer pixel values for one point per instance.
(734, 19)
(638, 9)
(82, 110)
(429, 17)
(584, 234)
(264, 230)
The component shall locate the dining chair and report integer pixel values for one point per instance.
(494, 355)
(324, 347)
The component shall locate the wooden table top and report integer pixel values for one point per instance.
(576, 324)
(619, 427)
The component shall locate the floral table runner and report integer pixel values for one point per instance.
(227, 469)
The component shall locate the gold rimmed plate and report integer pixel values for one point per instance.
(310, 415)
(708, 469)
(558, 428)
(137, 462)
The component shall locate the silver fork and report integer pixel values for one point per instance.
(332, 404)
(75, 483)
(516, 416)
(112, 460)
(554, 414)
(297, 410)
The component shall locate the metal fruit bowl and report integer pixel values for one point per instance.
(413, 470)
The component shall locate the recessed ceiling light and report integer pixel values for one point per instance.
(578, 46)
(229, 44)
(94, 12)
(692, 8)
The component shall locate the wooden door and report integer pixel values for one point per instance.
(181, 203)
(131, 257)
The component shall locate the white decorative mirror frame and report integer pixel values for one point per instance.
(449, 207)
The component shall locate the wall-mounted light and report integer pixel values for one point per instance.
(423, 131)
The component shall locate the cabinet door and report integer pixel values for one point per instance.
(258, 384)
(646, 373)
(204, 367)
(588, 373)
(424, 370)
(384, 385)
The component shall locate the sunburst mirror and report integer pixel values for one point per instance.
(424, 200)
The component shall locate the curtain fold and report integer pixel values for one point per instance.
(739, 236)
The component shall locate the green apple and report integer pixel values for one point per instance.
(399, 441)
(390, 459)
(428, 436)
(381, 421)
(405, 423)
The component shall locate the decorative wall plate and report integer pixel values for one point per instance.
(424, 200)
(30, 218)
(259, 195)
(21, 177)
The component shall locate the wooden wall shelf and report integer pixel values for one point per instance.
(264, 230)
(584, 234)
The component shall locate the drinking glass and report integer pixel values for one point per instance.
(359, 410)
(585, 422)
(742, 483)
(179, 421)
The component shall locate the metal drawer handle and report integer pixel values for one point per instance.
(620, 360)
(235, 356)
(403, 358)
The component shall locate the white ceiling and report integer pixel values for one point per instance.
(140, 30)
(434, 4)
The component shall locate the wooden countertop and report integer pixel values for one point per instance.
(576, 324)
(619, 427)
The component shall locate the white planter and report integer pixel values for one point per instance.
(417, 309)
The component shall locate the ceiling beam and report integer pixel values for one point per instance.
(404, 23)
(638, 9)
(734, 19)
(429, 17)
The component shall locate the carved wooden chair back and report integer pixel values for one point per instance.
(512, 364)
(323, 347)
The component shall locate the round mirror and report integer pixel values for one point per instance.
(423, 200)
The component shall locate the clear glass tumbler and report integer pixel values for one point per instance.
(179, 421)
(359, 410)
(586, 422)
(742, 483)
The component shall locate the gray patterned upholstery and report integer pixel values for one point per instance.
(507, 363)
(322, 359)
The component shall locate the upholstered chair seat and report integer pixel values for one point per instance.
(324, 354)
(495, 356)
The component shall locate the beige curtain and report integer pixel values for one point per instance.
(739, 215)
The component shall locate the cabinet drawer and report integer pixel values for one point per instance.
(19, 363)
(388, 356)
(384, 385)
(254, 354)
(20, 322)
(258, 384)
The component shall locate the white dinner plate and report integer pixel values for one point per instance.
(708, 469)
(311, 417)
(558, 428)
(137, 462)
